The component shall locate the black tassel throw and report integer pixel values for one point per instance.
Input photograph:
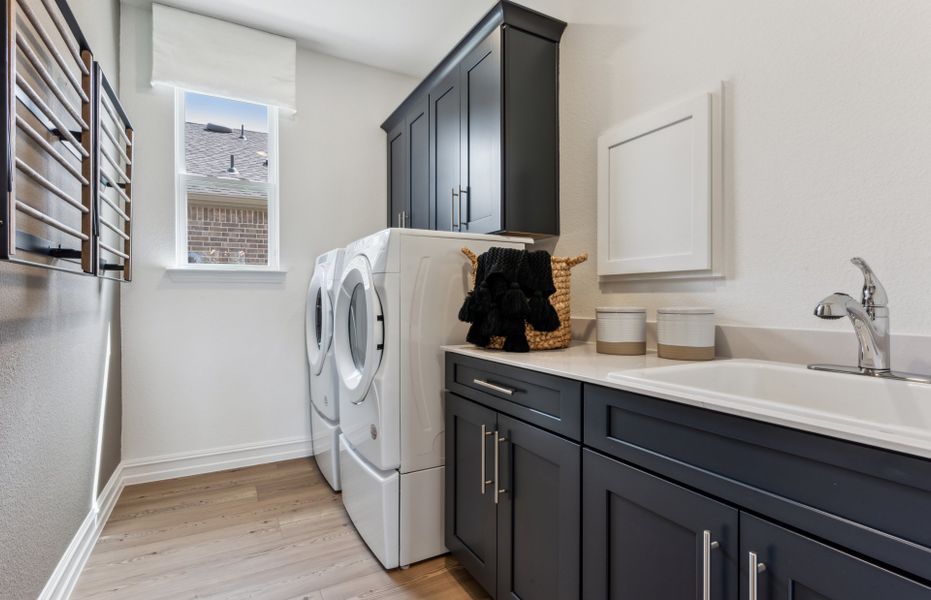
(512, 287)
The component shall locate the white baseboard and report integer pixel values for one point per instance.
(183, 464)
(63, 579)
(66, 573)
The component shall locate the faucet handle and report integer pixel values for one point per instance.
(874, 294)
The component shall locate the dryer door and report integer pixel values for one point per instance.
(318, 321)
(359, 331)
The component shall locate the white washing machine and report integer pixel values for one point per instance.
(324, 382)
(397, 302)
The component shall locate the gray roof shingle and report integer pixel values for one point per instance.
(208, 153)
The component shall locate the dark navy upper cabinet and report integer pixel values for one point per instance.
(480, 124)
(492, 159)
(444, 143)
(398, 196)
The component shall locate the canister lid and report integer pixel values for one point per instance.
(620, 309)
(685, 310)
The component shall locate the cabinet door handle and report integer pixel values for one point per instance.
(754, 568)
(454, 195)
(463, 199)
(707, 546)
(493, 386)
(403, 218)
(485, 482)
(498, 489)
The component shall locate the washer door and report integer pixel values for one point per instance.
(359, 337)
(318, 321)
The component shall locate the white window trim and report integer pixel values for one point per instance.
(181, 225)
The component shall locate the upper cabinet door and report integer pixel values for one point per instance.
(645, 537)
(398, 196)
(790, 566)
(480, 81)
(418, 162)
(444, 153)
(538, 513)
(470, 506)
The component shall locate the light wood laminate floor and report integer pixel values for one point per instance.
(269, 531)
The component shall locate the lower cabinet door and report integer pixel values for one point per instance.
(645, 537)
(538, 513)
(471, 533)
(789, 566)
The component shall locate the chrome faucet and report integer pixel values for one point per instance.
(870, 318)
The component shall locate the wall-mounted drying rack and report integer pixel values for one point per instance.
(114, 135)
(68, 156)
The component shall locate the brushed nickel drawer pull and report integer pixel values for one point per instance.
(485, 482)
(498, 489)
(493, 386)
(707, 547)
(754, 568)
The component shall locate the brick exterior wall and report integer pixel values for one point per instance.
(226, 235)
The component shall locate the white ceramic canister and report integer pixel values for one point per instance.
(685, 333)
(621, 330)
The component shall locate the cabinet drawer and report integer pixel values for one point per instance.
(870, 500)
(547, 401)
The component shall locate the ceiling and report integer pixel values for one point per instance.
(406, 36)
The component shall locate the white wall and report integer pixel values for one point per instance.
(216, 365)
(53, 354)
(827, 144)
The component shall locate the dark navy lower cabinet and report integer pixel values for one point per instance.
(538, 513)
(790, 566)
(471, 529)
(645, 537)
(512, 503)
(656, 500)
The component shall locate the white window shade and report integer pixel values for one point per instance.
(212, 56)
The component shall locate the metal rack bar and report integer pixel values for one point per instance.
(116, 144)
(113, 250)
(108, 183)
(112, 112)
(115, 166)
(26, 128)
(38, 178)
(115, 207)
(113, 228)
(52, 48)
(66, 36)
(49, 80)
(62, 129)
(50, 221)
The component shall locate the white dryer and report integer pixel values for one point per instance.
(324, 383)
(397, 303)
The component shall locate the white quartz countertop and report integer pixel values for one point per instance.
(582, 363)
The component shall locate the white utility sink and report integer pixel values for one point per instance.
(866, 409)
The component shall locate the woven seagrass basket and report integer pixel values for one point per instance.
(546, 340)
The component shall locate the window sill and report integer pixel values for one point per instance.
(232, 275)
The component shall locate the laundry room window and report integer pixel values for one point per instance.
(226, 184)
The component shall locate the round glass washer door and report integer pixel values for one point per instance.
(318, 320)
(359, 334)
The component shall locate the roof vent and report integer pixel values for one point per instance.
(242, 132)
(213, 127)
(232, 169)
